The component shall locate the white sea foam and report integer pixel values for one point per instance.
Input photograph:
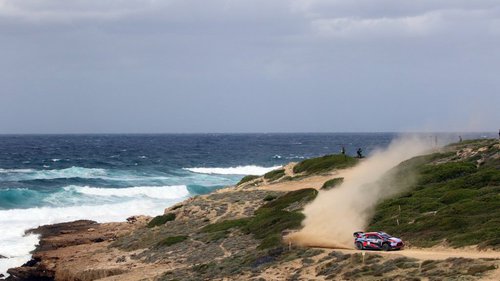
(8, 171)
(73, 172)
(157, 192)
(16, 246)
(240, 170)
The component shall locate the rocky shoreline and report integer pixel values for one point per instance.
(86, 250)
(57, 237)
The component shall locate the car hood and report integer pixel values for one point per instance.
(396, 240)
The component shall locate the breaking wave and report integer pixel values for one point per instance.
(16, 246)
(240, 170)
(73, 172)
(157, 192)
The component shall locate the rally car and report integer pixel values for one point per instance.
(376, 241)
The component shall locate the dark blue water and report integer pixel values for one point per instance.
(165, 152)
(34, 167)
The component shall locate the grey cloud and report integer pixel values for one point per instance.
(201, 66)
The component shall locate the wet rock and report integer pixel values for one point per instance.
(63, 228)
(98, 240)
(30, 273)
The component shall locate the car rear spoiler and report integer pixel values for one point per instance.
(357, 233)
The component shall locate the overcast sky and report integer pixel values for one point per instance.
(169, 66)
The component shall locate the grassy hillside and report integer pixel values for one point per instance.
(324, 164)
(455, 198)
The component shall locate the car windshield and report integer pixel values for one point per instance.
(385, 235)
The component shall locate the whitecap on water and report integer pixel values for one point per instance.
(239, 170)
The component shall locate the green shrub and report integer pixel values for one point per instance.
(247, 179)
(446, 171)
(270, 222)
(457, 195)
(329, 184)
(271, 219)
(325, 163)
(215, 236)
(305, 195)
(274, 175)
(270, 197)
(479, 269)
(172, 240)
(161, 220)
(270, 241)
(203, 268)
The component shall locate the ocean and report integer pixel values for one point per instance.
(48, 179)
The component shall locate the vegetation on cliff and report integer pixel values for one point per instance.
(161, 220)
(329, 184)
(324, 164)
(274, 175)
(246, 179)
(270, 219)
(455, 198)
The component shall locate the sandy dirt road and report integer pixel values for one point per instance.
(432, 253)
(440, 253)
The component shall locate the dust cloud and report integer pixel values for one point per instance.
(335, 214)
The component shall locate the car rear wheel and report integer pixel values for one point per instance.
(386, 247)
(359, 246)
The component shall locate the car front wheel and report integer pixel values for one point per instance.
(386, 247)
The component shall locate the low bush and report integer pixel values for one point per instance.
(169, 241)
(247, 179)
(270, 197)
(304, 195)
(479, 269)
(274, 175)
(161, 220)
(329, 184)
(446, 171)
(269, 220)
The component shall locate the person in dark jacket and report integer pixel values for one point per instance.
(359, 152)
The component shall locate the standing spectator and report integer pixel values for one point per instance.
(359, 152)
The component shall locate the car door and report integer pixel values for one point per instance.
(372, 241)
(377, 240)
